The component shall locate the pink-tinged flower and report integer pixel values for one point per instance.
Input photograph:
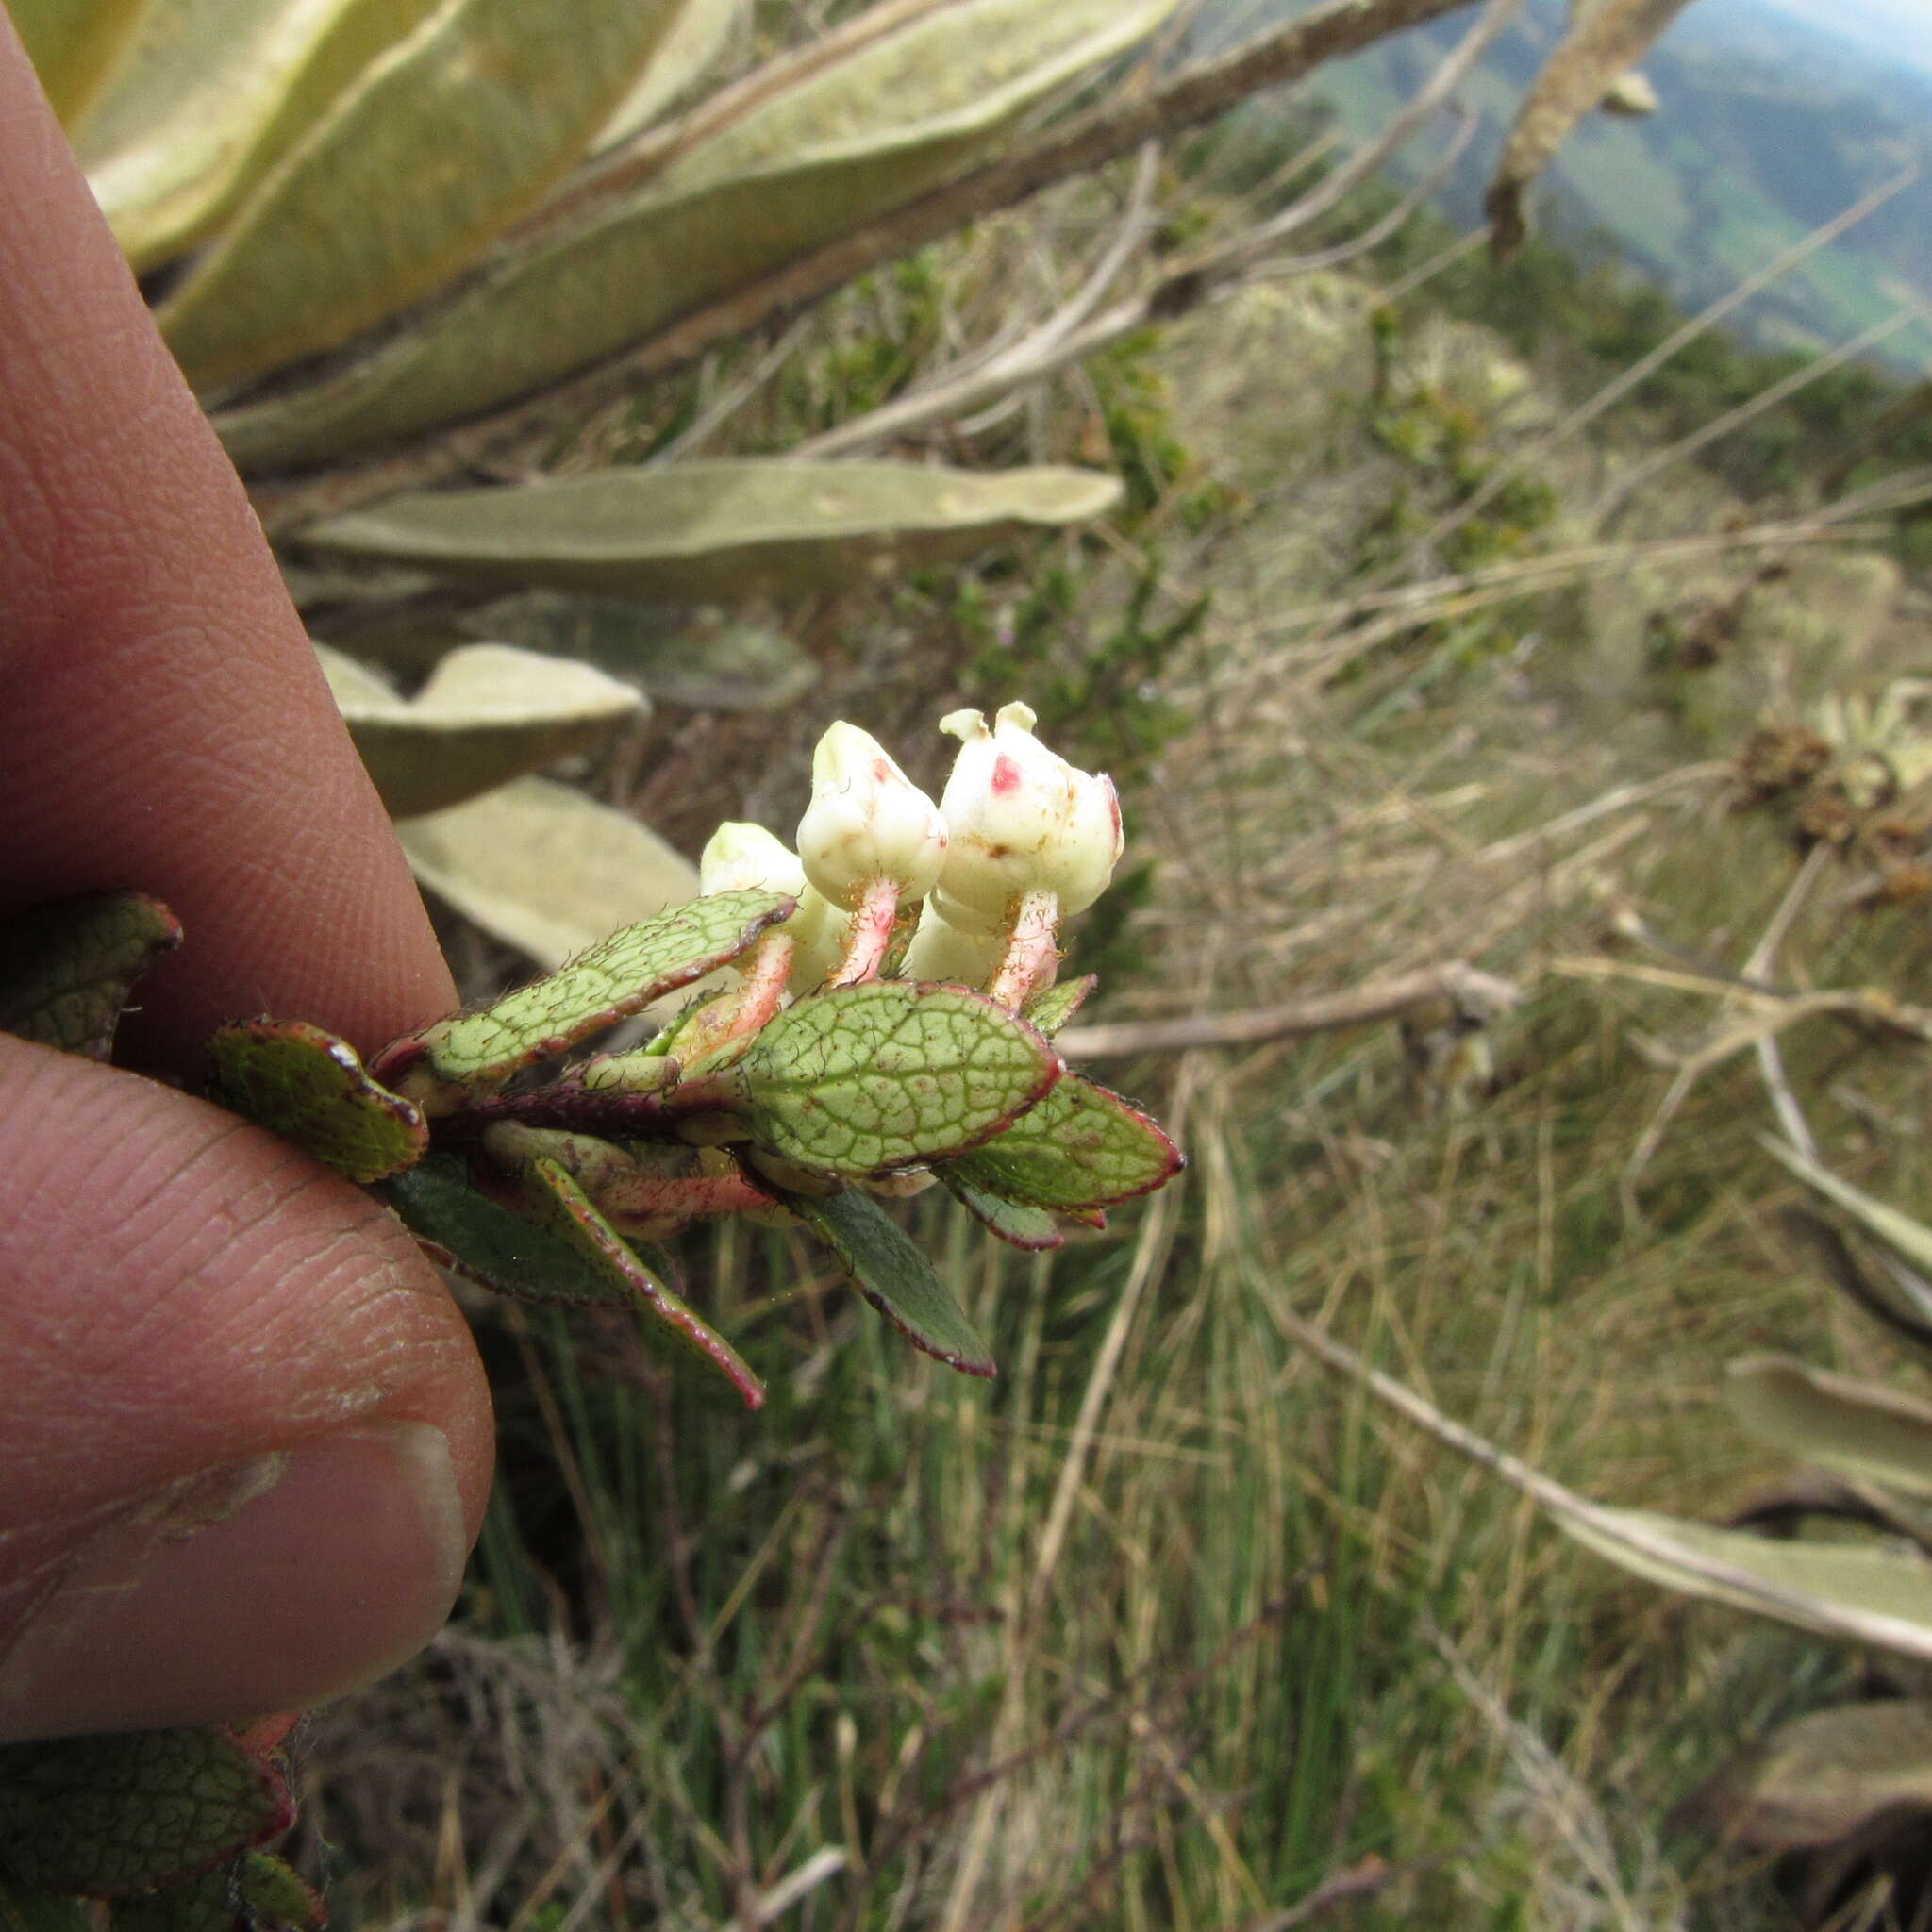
(1021, 819)
(867, 822)
(940, 951)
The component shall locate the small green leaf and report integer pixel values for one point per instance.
(1082, 1147)
(437, 1203)
(866, 1079)
(24, 1909)
(113, 1815)
(722, 531)
(1856, 1429)
(206, 1903)
(1024, 1226)
(891, 1274)
(575, 1217)
(66, 969)
(469, 1054)
(1051, 1010)
(545, 869)
(311, 1087)
(276, 1898)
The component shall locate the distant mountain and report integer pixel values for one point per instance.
(1770, 125)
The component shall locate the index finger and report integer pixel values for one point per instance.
(166, 725)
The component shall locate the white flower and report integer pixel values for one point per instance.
(1021, 819)
(866, 821)
(741, 858)
(940, 951)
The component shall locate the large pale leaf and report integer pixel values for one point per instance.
(1605, 39)
(311, 1087)
(855, 138)
(1818, 1778)
(74, 45)
(489, 713)
(209, 95)
(473, 1053)
(866, 1079)
(708, 658)
(66, 969)
(1909, 1239)
(891, 1274)
(1856, 1429)
(690, 47)
(1870, 1594)
(726, 529)
(442, 142)
(545, 869)
(1081, 1148)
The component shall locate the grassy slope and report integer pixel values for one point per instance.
(1167, 1627)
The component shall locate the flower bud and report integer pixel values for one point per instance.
(867, 821)
(1021, 819)
(741, 858)
(940, 951)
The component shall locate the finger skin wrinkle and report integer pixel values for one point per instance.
(223, 1295)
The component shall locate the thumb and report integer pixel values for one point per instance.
(245, 1435)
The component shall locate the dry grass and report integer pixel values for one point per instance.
(1168, 1629)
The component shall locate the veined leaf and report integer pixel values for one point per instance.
(1858, 1429)
(313, 1089)
(893, 1275)
(1016, 1221)
(866, 1079)
(1051, 1010)
(693, 41)
(1819, 1778)
(469, 1054)
(110, 1816)
(489, 713)
(849, 142)
(545, 869)
(1082, 1147)
(442, 142)
(66, 969)
(720, 531)
(208, 96)
(704, 658)
(74, 45)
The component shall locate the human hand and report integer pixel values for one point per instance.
(245, 1438)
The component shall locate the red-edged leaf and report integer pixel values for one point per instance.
(311, 1087)
(1082, 1147)
(66, 969)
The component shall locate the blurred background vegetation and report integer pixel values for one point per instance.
(1445, 611)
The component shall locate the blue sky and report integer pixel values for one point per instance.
(1901, 29)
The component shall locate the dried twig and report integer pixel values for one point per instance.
(1481, 996)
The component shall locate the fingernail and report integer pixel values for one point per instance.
(269, 1587)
